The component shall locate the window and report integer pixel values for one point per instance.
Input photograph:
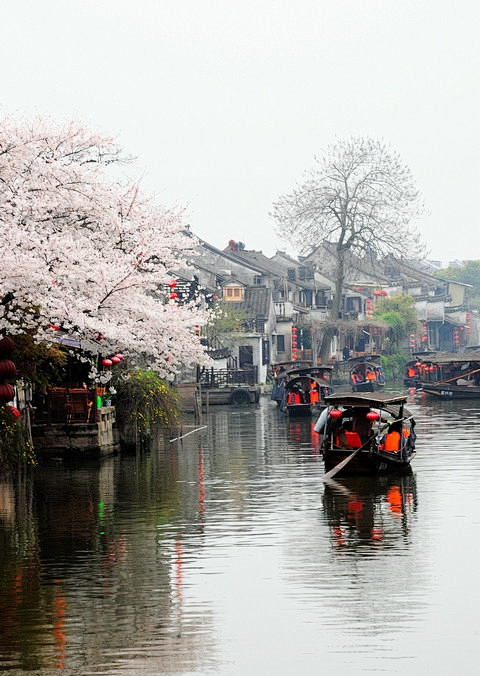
(265, 351)
(280, 343)
(233, 293)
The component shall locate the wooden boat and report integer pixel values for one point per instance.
(281, 371)
(366, 373)
(366, 433)
(305, 389)
(451, 376)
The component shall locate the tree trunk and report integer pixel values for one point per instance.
(326, 348)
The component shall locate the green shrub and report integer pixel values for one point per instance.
(146, 400)
(16, 450)
(394, 364)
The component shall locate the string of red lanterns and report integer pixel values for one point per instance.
(173, 295)
(110, 361)
(8, 369)
(294, 343)
(369, 308)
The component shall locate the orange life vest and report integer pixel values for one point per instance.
(392, 442)
(353, 439)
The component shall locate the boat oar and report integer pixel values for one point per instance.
(344, 462)
(461, 375)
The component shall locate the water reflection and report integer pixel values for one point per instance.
(225, 553)
(86, 577)
(370, 512)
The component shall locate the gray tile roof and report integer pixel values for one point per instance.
(256, 303)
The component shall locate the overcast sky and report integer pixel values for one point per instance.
(225, 103)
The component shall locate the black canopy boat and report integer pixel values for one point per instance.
(366, 433)
(366, 373)
(305, 389)
(413, 372)
(281, 371)
(452, 376)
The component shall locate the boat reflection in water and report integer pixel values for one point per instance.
(373, 511)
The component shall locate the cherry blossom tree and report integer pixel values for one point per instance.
(86, 252)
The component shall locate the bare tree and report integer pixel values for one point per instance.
(360, 197)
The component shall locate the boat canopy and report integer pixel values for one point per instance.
(366, 399)
(312, 371)
(369, 358)
(449, 358)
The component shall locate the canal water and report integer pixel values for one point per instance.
(224, 553)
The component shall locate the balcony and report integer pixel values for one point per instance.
(283, 309)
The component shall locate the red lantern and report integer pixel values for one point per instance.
(7, 368)
(115, 360)
(294, 343)
(335, 413)
(119, 356)
(107, 362)
(15, 411)
(172, 284)
(173, 295)
(372, 415)
(7, 392)
(6, 345)
(294, 330)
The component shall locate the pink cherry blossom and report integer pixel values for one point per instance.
(70, 236)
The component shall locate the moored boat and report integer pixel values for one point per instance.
(452, 376)
(366, 433)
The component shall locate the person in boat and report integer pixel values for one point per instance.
(314, 396)
(341, 439)
(356, 378)
(371, 377)
(412, 372)
(362, 426)
(346, 438)
(395, 438)
(294, 396)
